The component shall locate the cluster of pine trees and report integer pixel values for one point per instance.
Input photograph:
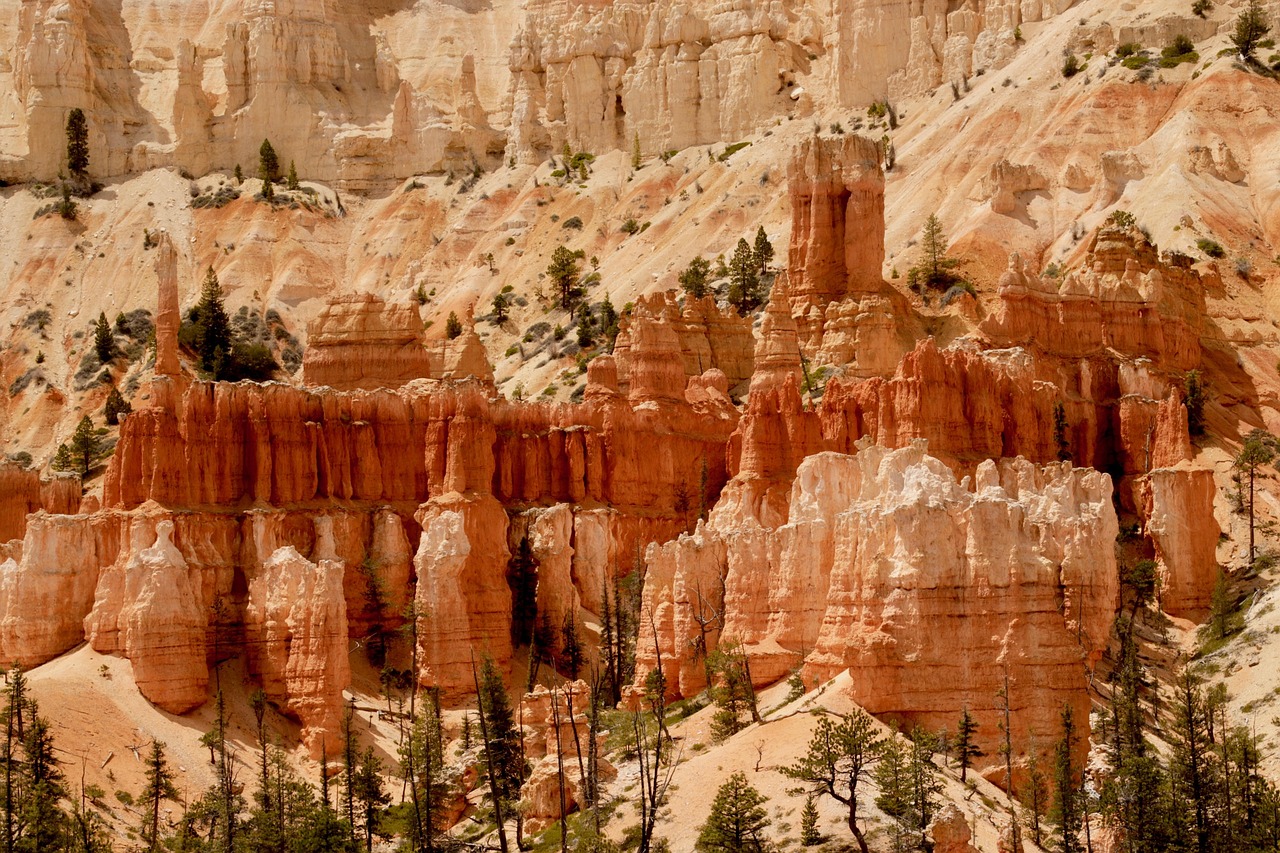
(749, 262)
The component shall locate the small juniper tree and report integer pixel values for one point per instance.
(115, 406)
(452, 326)
(67, 207)
(809, 834)
(292, 181)
(77, 143)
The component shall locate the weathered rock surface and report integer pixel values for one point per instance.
(1012, 573)
(296, 628)
(22, 491)
(48, 590)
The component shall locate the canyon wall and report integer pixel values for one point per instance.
(348, 95)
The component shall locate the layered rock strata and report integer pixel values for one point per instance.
(931, 592)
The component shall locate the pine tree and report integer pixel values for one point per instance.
(1193, 768)
(452, 326)
(81, 451)
(1035, 795)
(839, 758)
(1193, 397)
(371, 795)
(104, 342)
(693, 279)
(934, 263)
(608, 321)
(586, 334)
(268, 192)
(809, 834)
(1060, 429)
(522, 580)
(268, 162)
(159, 788)
(966, 748)
(1067, 810)
(1259, 449)
(572, 655)
(77, 143)
(422, 763)
(42, 822)
(737, 820)
(1251, 27)
(565, 276)
(291, 182)
(763, 250)
(115, 406)
(744, 280)
(635, 152)
(503, 749)
(501, 308)
(238, 174)
(729, 690)
(212, 328)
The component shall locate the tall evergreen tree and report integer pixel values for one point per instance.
(1067, 812)
(762, 251)
(104, 342)
(966, 746)
(159, 787)
(566, 277)
(1259, 449)
(212, 328)
(744, 279)
(268, 162)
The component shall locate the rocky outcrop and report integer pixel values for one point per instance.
(1177, 504)
(148, 607)
(296, 628)
(358, 342)
(48, 590)
(930, 591)
(1123, 299)
(669, 74)
(703, 336)
(556, 740)
(950, 831)
(837, 220)
(23, 492)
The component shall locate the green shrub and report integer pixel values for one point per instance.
(630, 227)
(574, 222)
(1212, 248)
(1129, 49)
(1071, 66)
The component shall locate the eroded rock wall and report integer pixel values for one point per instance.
(929, 590)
